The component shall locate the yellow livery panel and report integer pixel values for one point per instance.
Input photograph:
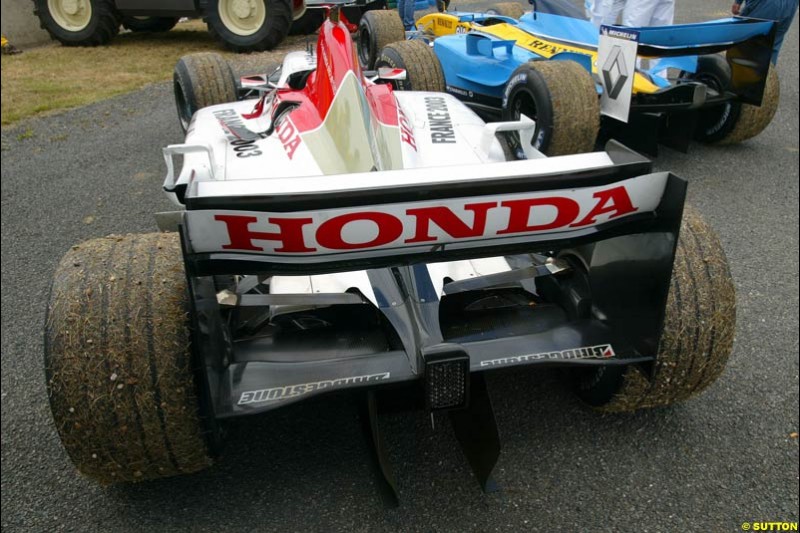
(439, 24)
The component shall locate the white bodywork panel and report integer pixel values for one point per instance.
(220, 156)
(320, 284)
(458, 270)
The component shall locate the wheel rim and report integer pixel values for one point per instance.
(363, 47)
(72, 15)
(242, 17)
(525, 105)
(184, 111)
(713, 118)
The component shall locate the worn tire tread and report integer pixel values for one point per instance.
(699, 325)
(385, 27)
(423, 70)
(755, 119)
(576, 107)
(117, 360)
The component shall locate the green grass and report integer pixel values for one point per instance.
(55, 77)
(27, 134)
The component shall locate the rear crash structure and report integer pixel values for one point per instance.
(409, 270)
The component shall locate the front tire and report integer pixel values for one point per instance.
(377, 29)
(561, 97)
(423, 70)
(78, 22)
(201, 80)
(697, 338)
(249, 25)
(118, 365)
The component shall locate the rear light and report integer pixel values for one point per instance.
(446, 377)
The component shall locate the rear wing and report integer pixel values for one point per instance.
(325, 224)
(704, 37)
(747, 44)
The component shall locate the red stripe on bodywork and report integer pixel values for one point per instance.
(336, 56)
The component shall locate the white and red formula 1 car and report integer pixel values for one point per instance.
(337, 235)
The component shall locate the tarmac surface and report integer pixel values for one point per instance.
(710, 464)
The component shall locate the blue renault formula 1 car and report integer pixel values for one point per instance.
(707, 81)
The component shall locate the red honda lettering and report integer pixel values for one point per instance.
(567, 210)
(287, 134)
(290, 234)
(329, 233)
(449, 221)
(615, 201)
(406, 135)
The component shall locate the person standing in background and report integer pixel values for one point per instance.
(406, 9)
(781, 11)
(604, 11)
(641, 13)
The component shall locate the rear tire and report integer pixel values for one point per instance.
(377, 29)
(262, 28)
(201, 80)
(714, 123)
(119, 372)
(752, 120)
(733, 122)
(423, 70)
(561, 97)
(507, 9)
(81, 23)
(149, 24)
(697, 339)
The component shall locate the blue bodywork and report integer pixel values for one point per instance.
(478, 65)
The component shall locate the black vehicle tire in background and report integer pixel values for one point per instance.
(149, 24)
(561, 97)
(309, 23)
(377, 29)
(732, 122)
(263, 27)
(507, 9)
(78, 23)
(697, 339)
(423, 70)
(119, 373)
(201, 80)
(714, 123)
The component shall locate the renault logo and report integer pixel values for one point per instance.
(615, 72)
